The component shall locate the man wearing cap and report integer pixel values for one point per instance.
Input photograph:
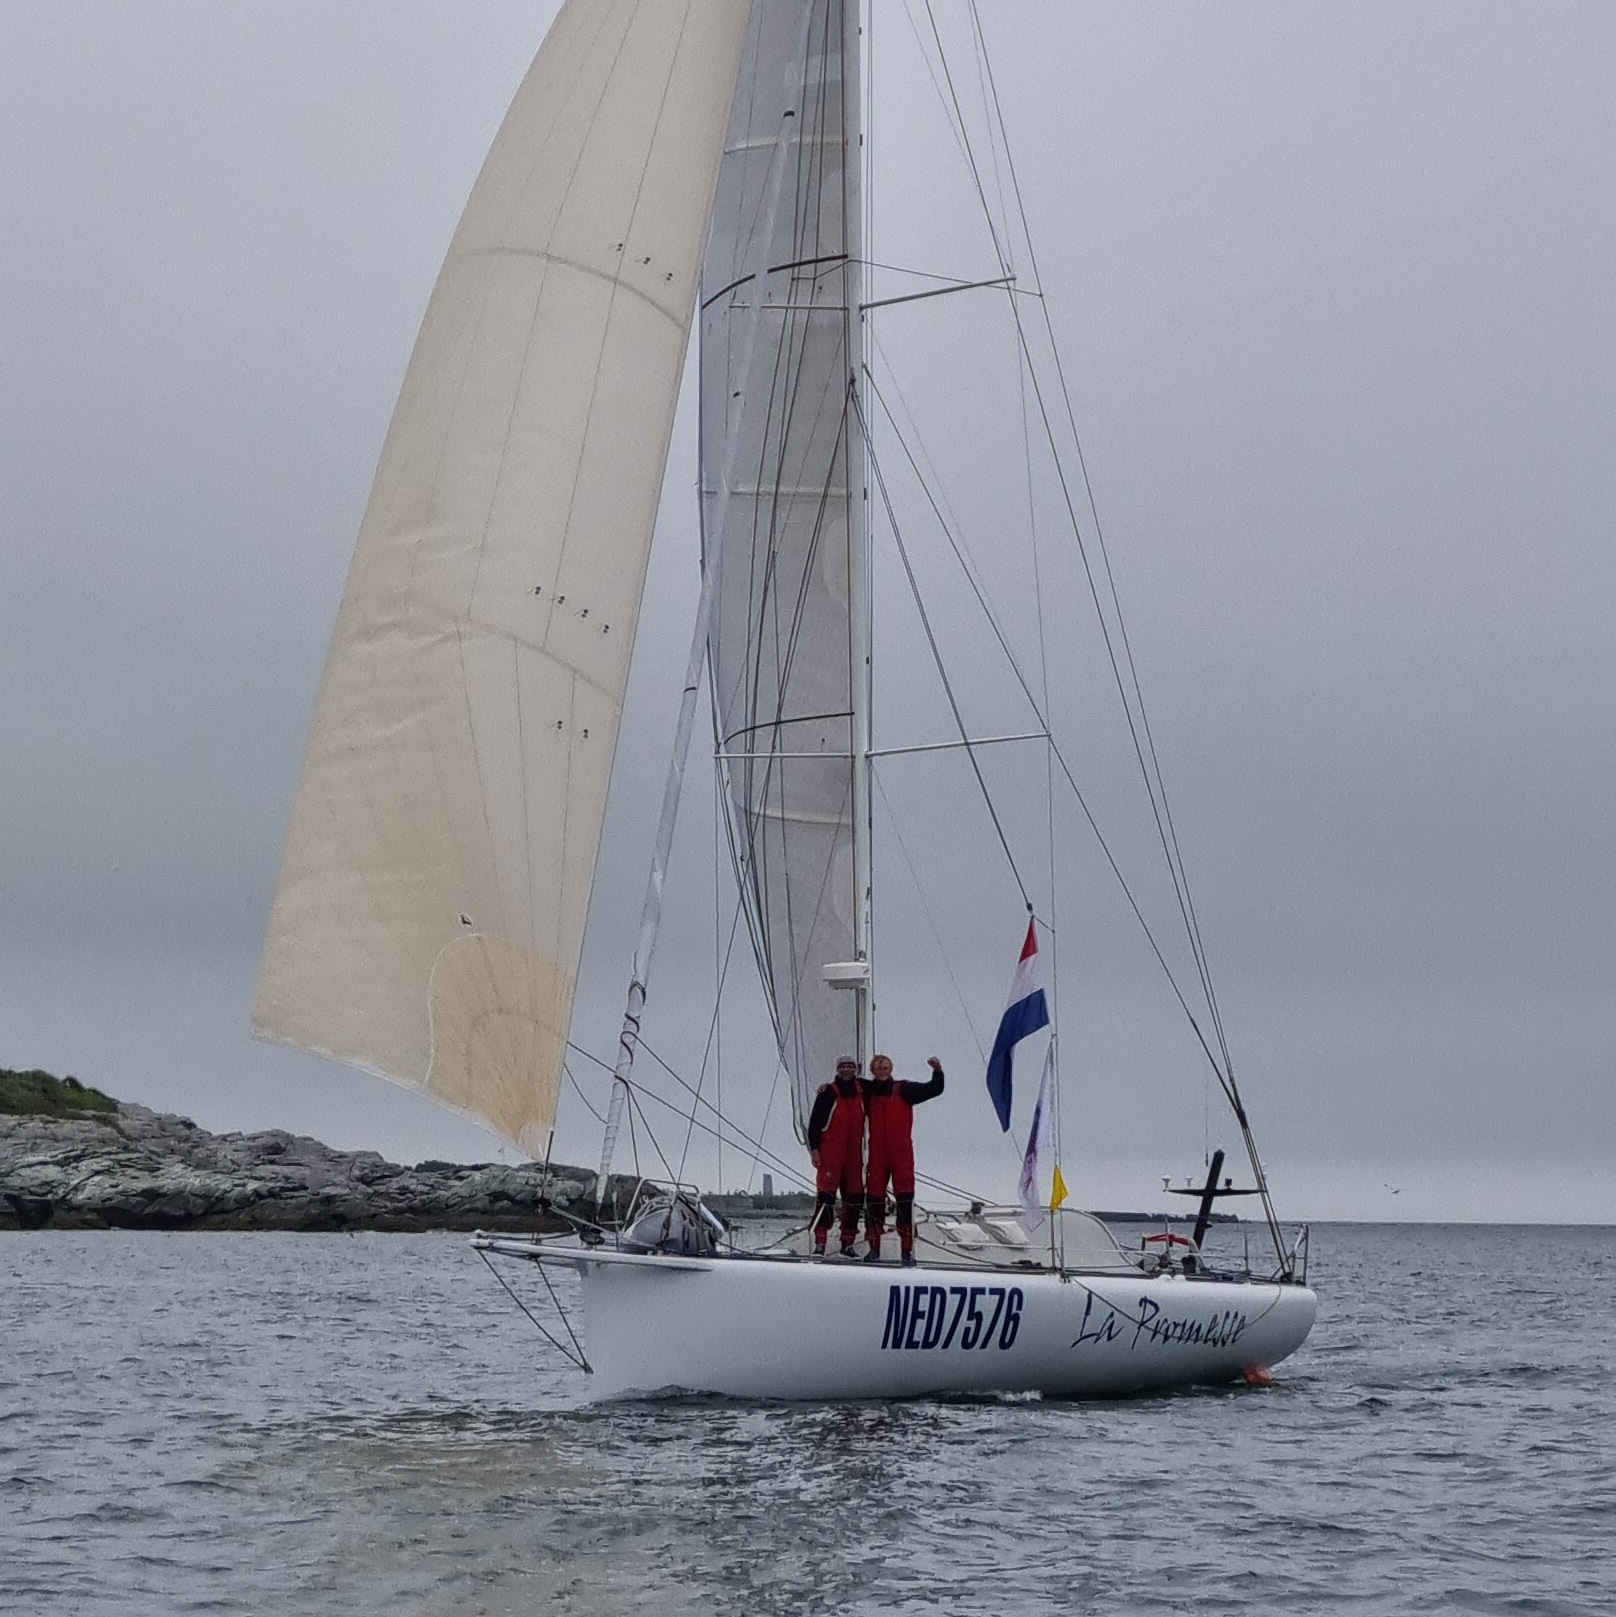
(836, 1143)
(891, 1106)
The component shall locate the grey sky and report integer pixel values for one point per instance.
(1333, 289)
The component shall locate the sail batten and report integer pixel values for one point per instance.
(435, 885)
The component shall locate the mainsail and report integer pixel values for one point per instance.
(781, 643)
(431, 906)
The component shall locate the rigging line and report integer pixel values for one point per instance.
(1223, 1070)
(952, 1190)
(562, 1313)
(636, 1098)
(993, 146)
(1151, 786)
(721, 774)
(937, 656)
(795, 334)
(748, 875)
(741, 850)
(925, 275)
(784, 656)
(634, 1101)
(588, 1104)
(1198, 944)
(800, 967)
(914, 428)
(720, 975)
(1133, 904)
(781, 675)
(960, 555)
(712, 1028)
(936, 493)
(788, 407)
(1049, 741)
(738, 1135)
(768, 1111)
(798, 1117)
(753, 865)
(937, 937)
(746, 880)
(775, 1160)
(740, 1139)
(634, 1144)
(720, 770)
(1043, 721)
(925, 56)
(1178, 873)
(577, 1357)
(965, 140)
(1192, 919)
(1156, 788)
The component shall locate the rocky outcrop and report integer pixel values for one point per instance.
(139, 1169)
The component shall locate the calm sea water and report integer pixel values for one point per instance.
(354, 1424)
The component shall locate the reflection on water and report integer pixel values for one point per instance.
(280, 1423)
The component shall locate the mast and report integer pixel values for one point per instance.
(858, 524)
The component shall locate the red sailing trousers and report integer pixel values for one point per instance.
(841, 1167)
(892, 1158)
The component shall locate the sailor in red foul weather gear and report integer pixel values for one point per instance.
(836, 1140)
(891, 1106)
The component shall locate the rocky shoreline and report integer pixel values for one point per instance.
(136, 1169)
(72, 1157)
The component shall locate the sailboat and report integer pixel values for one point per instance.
(664, 161)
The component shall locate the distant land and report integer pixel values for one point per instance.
(72, 1157)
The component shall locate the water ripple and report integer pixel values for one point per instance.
(247, 1423)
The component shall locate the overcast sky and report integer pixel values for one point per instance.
(1333, 288)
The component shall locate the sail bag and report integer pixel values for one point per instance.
(430, 912)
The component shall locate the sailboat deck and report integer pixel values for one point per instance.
(996, 1238)
(989, 1239)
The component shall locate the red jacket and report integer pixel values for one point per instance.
(836, 1132)
(891, 1105)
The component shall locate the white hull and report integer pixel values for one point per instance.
(761, 1328)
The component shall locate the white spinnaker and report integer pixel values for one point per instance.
(436, 877)
(781, 642)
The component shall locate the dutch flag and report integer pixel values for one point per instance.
(1027, 1011)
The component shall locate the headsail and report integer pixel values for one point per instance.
(781, 645)
(436, 879)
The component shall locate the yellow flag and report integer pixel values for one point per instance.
(1057, 1190)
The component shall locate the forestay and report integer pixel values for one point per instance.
(437, 871)
(780, 647)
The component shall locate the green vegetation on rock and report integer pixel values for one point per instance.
(37, 1093)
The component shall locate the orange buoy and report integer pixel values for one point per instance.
(1257, 1375)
